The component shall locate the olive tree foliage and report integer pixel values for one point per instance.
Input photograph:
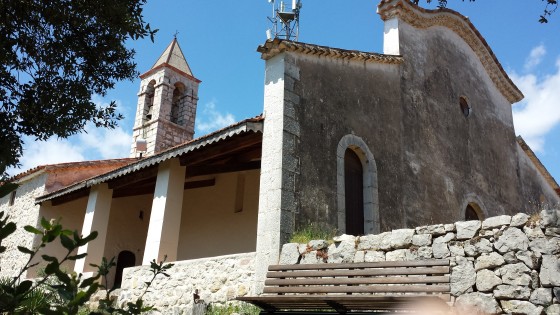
(54, 55)
(550, 6)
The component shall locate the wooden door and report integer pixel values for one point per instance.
(354, 192)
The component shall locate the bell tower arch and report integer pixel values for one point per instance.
(166, 110)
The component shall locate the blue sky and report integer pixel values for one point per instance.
(219, 40)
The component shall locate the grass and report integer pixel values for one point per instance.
(230, 308)
(313, 232)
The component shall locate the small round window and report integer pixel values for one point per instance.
(465, 108)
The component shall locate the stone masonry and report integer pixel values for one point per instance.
(504, 264)
(218, 279)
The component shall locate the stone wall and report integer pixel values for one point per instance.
(218, 279)
(23, 212)
(504, 264)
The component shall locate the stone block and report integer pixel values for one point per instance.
(486, 280)
(463, 277)
(440, 250)
(528, 258)
(545, 245)
(550, 271)
(485, 303)
(489, 261)
(533, 232)
(512, 239)
(520, 307)
(401, 238)
(445, 239)
(422, 239)
(290, 254)
(497, 221)
(549, 217)
(467, 229)
(359, 257)
(541, 296)
(318, 244)
(519, 219)
(342, 252)
(456, 249)
(512, 292)
(373, 256)
(515, 274)
(425, 252)
(553, 309)
(396, 255)
(436, 229)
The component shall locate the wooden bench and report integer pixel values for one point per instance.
(378, 286)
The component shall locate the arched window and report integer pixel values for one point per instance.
(354, 193)
(473, 212)
(149, 101)
(357, 201)
(124, 260)
(176, 104)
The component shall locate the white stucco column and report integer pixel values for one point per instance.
(96, 219)
(391, 41)
(165, 219)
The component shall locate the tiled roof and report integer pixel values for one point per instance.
(422, 18)
(82, 164)
(247, 125)
(172, 58)
(275, 46)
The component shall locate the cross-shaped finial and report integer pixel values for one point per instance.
(175, 35)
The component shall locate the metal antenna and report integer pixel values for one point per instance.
(285, 23)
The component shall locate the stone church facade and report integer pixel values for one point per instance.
(354, 141)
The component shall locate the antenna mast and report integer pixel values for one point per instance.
(285, 23)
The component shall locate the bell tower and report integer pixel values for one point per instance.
(167, 101)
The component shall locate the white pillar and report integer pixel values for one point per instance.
(391, 41)
(165, 219)
(96, 219)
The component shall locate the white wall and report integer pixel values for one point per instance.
(209, 224)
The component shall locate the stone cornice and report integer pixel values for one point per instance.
(460, 25)
(273, 47)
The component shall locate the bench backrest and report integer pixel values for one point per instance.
(420, 277)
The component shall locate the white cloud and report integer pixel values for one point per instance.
(539, 112)
(108, 143)
(210, 119)
(535, 57)
(92, 144)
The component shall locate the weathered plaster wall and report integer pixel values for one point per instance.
(504, 264)
(335, 98)
(218, 279)
(209, 217)
(449, 156)
(71, 216)
(23, 212)
(428, 155)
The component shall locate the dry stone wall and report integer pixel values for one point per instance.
(217, 279)
(504, 264)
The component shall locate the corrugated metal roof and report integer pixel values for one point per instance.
(248, 125)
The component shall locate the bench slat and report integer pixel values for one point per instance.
(359, 272)
(342, 281)
(359, 289)
(379, 264)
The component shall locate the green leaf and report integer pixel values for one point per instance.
(76, 257)
(31, 229)
(23, 287)
(67, 243)
(45, 224)
(51, 268)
